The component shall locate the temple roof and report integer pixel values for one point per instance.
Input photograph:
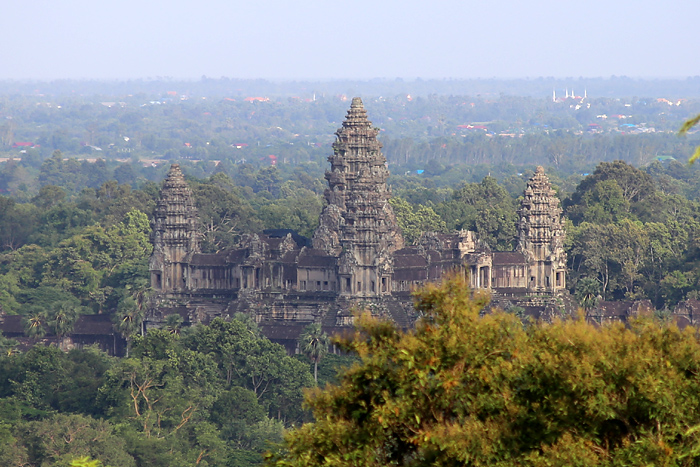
(357, 115)
(175, 180)
(208, 259)
(508, 257)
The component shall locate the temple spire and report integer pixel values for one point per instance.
(358, 220)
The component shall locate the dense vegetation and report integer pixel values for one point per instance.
(209, 395)
(462, 389)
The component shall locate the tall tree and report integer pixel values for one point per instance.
(314, 344)
(128, 320)
(63, 318)
(35, 322)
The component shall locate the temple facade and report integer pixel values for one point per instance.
(357, 257)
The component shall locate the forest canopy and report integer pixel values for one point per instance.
(465, 389)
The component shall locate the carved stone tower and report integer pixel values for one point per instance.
(541, 235)
(175, 235)
(358, 224)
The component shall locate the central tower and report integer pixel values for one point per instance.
(358, 224)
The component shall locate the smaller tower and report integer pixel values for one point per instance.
(541, 236)
(175, 236)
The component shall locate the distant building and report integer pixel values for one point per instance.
(23, 144)
(356, 259)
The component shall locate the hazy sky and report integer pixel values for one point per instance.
(361, 39)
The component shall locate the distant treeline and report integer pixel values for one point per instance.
(614, 86)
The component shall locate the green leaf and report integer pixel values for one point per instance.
(688, 124)
(692, 430)
(695, 156)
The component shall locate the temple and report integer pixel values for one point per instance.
(357, 258)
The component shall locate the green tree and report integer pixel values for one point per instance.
(587, 293)
(63, 318)
(249, 360)
(35, 322)
(224, 215)
(85, 462)
(128, 320)
(173, 323)
(461, 389)
(414, 221)
(234, 412)
(62, 438)
(164, 394)
(485, 208)
(314, 344)
(615, 190)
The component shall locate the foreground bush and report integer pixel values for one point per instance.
(465, 390)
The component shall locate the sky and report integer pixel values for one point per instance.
(354, 39)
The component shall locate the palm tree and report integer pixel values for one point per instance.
(314, 344)
(35, 323)
(587, 293)
(142, 295)
(65, 314)
(128, 320)
(8, 347)
(173, 323)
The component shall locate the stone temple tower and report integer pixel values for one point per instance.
(358, 224)
(175, 235)
(541, 236)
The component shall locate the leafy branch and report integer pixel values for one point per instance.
(687, 125)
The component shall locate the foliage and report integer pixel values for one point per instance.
(85, 462)
(60, 439)
(414, 221)
(485, 208)
(587, 293)
(467, 390)
(314, 344)
(64, 316)
(687, 125)
(35, 323)
(248, 360)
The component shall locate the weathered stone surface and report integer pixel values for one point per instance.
(175, 235)
(357, 258)
(357, 213)
(541, 235)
